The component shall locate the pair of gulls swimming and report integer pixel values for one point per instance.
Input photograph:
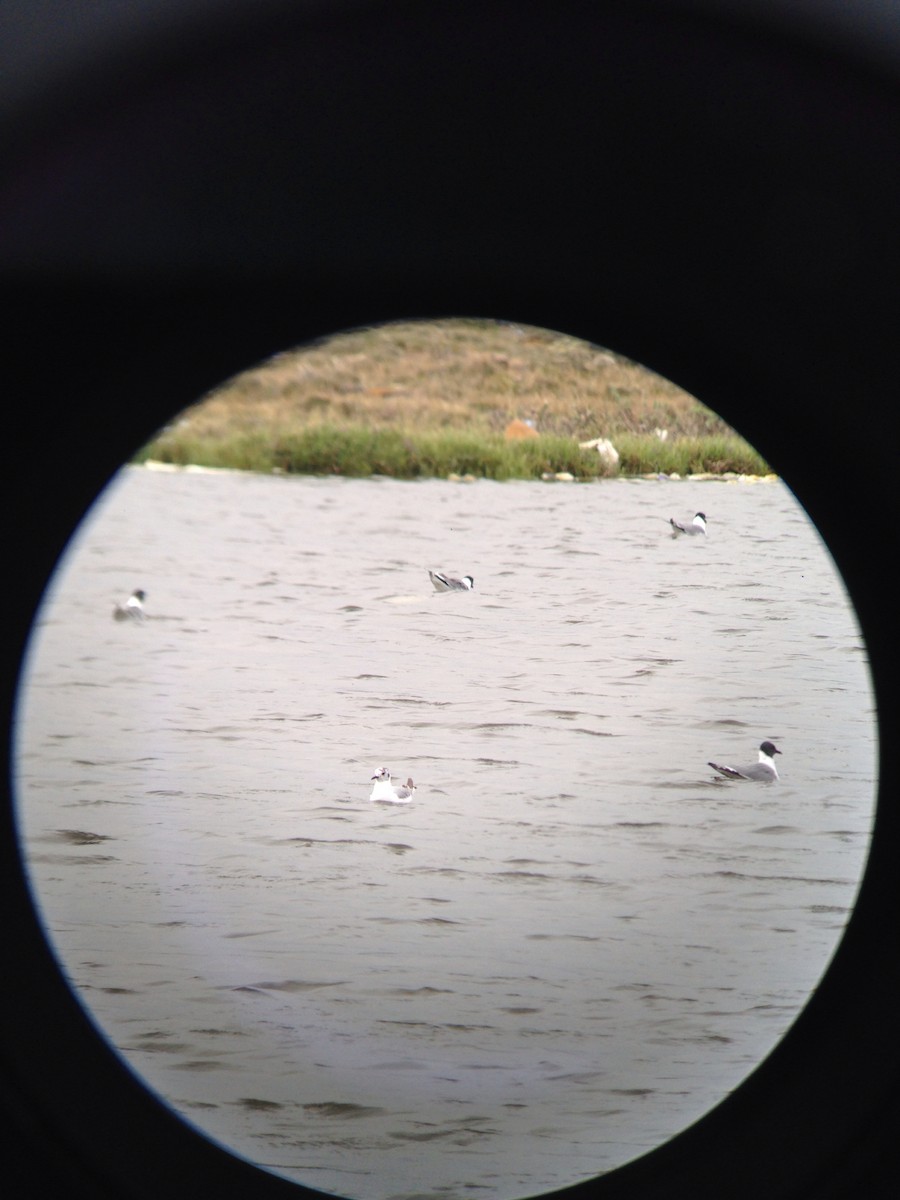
(465, 583)
(762, 771)
(133, 608)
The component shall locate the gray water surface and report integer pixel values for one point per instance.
(574, 942)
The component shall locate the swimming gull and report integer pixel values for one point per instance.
(449, 583)
(761, 772)
(385, 791)
(133, 608)
(697, 525)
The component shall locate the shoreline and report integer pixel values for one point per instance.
(151, 464)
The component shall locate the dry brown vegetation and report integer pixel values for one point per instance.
(452, 374)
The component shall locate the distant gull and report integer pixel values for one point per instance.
(385, 791)
(761, 772)
(133, 608)
(449, 583)
(698, 525)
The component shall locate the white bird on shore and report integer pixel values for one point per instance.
(697, 525)
(760, 772)
(133, 608)
(449, 583)
(385, 791)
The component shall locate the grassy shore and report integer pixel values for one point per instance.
(434, 399)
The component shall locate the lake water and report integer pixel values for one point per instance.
(574, 942)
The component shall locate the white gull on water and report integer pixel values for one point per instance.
(450, 583)
(385, 790)
(133, 608)
(697, 525)
(762, 771)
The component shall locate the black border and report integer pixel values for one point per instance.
(712, 198)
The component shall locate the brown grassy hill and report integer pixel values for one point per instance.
(452, 374)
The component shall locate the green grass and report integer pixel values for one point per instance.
(361, 451)
(715, 455)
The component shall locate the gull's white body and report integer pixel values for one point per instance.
(384, 790)
(132, 609)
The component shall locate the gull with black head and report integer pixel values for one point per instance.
(763, 771)
(693, 527)
(450, 583)
(133, 608)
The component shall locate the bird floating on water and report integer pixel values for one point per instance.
(762, 771)
(385, 791)
(133, 608)
(697, 525)
(450, 583)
